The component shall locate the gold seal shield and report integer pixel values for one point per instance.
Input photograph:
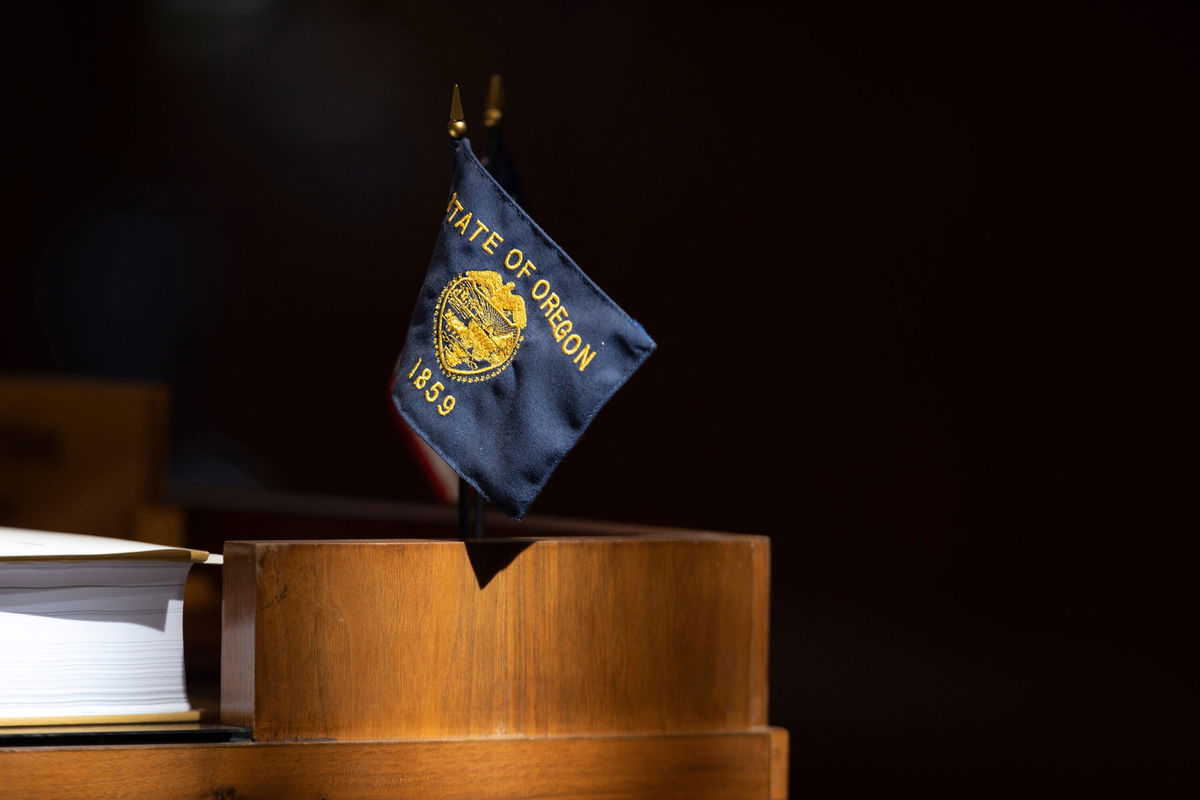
(478, 326)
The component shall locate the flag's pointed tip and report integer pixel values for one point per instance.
(458, 126)
(494, 111)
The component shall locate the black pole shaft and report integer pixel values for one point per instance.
(470, 511)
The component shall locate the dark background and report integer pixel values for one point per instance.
(935, 250)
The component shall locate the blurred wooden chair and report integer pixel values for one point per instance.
(86, 456)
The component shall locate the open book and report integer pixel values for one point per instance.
(91, 629)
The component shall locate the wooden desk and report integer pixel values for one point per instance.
(618, 667)
(731, 766)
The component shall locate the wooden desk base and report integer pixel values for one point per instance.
(698, 766)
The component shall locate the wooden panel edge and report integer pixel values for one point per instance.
(239, 606)
(760, 629)
(780, 749)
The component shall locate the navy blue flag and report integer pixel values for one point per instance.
(512, 350)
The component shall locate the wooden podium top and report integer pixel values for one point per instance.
(664, 633)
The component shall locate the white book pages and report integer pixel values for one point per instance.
(84, 638)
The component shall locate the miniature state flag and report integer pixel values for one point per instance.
(512, 349)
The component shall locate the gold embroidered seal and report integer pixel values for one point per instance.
(478, 326)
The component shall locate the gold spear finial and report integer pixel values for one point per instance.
(458, 126)
(495, 103)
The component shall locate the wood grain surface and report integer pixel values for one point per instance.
(435, 639)
(732, 766)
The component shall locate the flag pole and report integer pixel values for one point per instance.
(458, 124)
(496, 157)
(470, 503)
(470, 511)
(494, 111)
